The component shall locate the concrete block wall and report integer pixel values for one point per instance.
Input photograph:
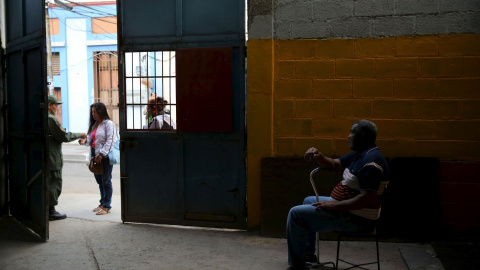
(421, 91)
(316, 66)
(304, 19)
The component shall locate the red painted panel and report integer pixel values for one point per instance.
(204, 90)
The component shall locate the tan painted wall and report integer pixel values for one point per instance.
(423, 93)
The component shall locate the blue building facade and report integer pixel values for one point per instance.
(77, 36)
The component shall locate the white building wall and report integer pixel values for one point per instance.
(77, 74)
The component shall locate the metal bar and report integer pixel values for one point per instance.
(34, 178)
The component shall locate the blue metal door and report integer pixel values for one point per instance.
(194, 174)
(26, 113)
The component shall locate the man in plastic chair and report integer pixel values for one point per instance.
(353, 205)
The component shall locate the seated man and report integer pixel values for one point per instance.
(354, 203)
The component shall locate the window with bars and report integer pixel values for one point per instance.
(150, 90)
(56, 63)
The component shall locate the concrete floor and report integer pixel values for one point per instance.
(87, 241)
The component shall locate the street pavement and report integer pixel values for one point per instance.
(87, 241)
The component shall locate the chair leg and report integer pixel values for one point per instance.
(378, 254)
(338, 251)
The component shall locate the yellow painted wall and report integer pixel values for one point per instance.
(423, 93)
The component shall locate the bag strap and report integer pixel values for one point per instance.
(115, 132)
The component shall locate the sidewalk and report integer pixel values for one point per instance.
(74, 152)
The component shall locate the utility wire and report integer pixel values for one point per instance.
(64, 22)
(76, 3)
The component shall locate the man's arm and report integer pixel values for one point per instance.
(314, 156)
(358, 202)
(60, 134)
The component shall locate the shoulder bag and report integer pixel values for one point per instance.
(95, 167)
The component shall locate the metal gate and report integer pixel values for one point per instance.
(26, 113)
(194, 174)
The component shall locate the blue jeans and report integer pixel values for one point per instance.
(304, 220)
(104, 182)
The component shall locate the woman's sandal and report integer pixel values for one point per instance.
(100, 207)
(104, 211)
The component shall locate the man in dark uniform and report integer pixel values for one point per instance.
(57, 135)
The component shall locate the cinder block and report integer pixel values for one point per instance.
(353, 108)
(444, 150)
(385, 128)
(332, 88)
(413, 129)
(260, 51)
(346, 68)
(284, 146)
(415, 88)
(314, 108)
(351, 27)
(393, 26)
(303, 144)
(397, 148)
(372, 88)
(431, 24)
(282, 30)
(285, 70)
(341, 147)
(374, 47)
(294, 49)
(458, 5)
(460, 171)
(334, 48)
(458, 130)
(440, 67)
(397, 68)
(449, 193)
(259, 82)
(333, 128)
(462, 44)
(469, 151)
(437, 109)
(293, 89)
(406, 7)
(283, 109)
(324, 10)
(471, 67)
(470, 109)
(417, 46)
(294, 10)
(374, 7)
(315, 69)
(293, 127)
(308, 29)
(394, 109)
(459, 88)
(259, 125)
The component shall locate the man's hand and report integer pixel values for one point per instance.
(328, 205)
(82, 142)
(312, 155)
(83, 136)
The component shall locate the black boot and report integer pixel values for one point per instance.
(54, 215)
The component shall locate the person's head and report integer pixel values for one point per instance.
(156, 106)
(53, 104)
(98, 113)
(362, 135)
